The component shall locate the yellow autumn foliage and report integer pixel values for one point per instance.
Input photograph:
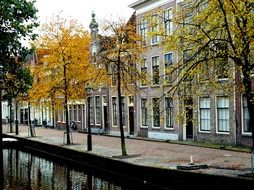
(63, 67)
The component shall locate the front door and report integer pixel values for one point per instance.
(189, 124)
(105, 113)
(131, 120)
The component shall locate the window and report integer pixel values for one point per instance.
(79, 113)
(114, 111)
(123, 110)
(245, 116)
(74, 113)
(186, 59)
(155, 70)
(168, 59)
(221, 51)
(144, 111)
(143, 31)
(222, 68)
(205, 70)
(205, 114)
(154, 29)
(97, 110)
(187, 14)
(90, 109)
(113, 75)
(156, 112)
(223, 114)
(114, 79)
(83, 117)
(186, 55)
(168, 23)
(70, 113)
(131, 100)
(169, 112)
(60, 115)
(144, 72)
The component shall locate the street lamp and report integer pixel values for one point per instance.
(89, 135)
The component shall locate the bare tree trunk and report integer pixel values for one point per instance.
(124, 152)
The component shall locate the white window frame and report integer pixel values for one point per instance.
(95, 118)
(155, 29)
(242, 118)
(155, 127)
(144, 61)
(217, 125)
(164, 63)
(199, 114)
(79, 112)
(172, 114)
(144, 30)
(158, 69)
(123, 110)
(92, 106)
(141, 118)
(171, 27)
(112, 115)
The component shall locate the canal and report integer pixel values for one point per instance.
(25, 171)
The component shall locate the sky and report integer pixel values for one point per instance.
(81, 10)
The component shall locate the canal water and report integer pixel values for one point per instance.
(25, 171)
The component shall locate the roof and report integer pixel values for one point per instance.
(137, 3)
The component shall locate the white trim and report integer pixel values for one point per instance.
(165, 115)
(112, 113)
(216, 117)
(95, 117)
(163, 60)
(104, 103)
(83, 113)
(91, 122)
(146, 8)
(171, 31)
(153, 127)
(143, 126)
(199, 123)
(154, 85)
(242, 117)
(162, 136)
(124, 101)
(146, 66)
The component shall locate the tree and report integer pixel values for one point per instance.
(65, 66)
(120, 53)
(216, 38)
(17, 82)
(18, 19)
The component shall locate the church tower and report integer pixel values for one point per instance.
(94, 46)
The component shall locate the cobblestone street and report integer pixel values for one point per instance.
(150, 153)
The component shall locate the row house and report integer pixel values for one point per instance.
(102, 103)
(215, 116)
(218, 116)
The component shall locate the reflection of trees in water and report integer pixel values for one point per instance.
(26, 171)
(1, 168)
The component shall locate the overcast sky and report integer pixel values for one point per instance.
(82, 9)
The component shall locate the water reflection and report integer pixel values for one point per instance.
(26, 171)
